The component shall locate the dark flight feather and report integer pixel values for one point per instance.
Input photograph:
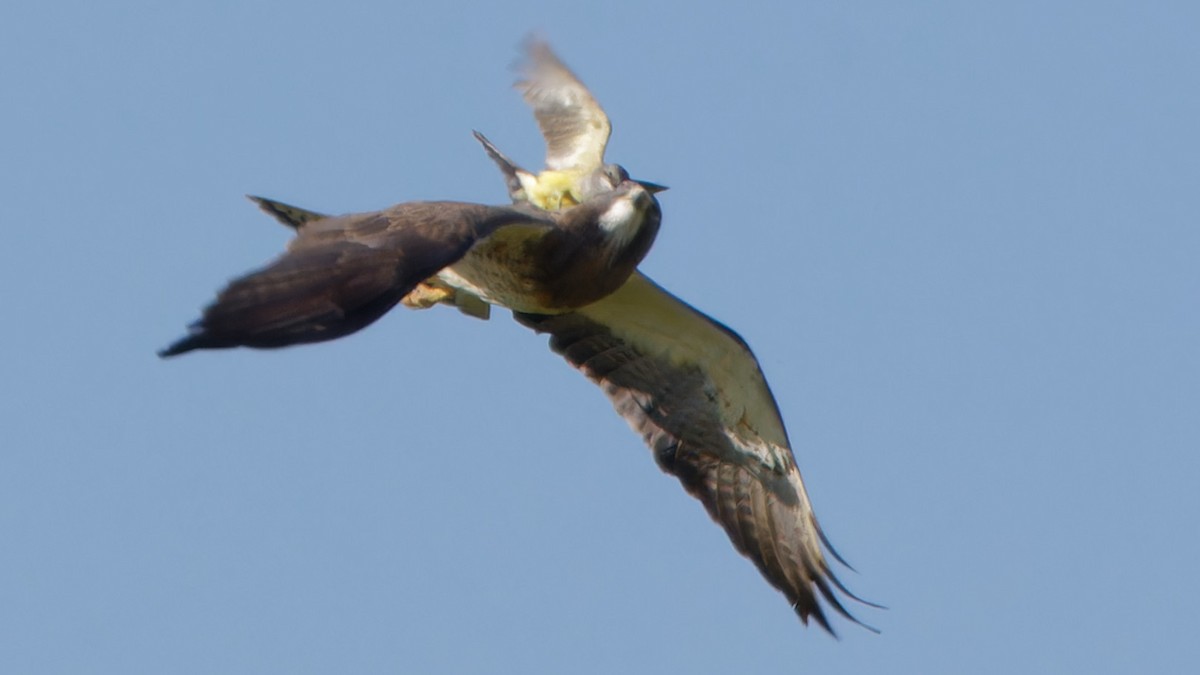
(340, 274)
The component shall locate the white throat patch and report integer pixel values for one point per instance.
(621, 220)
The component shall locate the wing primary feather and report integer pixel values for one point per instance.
(833, 551)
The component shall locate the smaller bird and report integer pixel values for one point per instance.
(576, 131)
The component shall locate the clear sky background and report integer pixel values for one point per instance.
(963, 240)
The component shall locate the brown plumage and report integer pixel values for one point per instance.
(341, 273)
(693, 390)
(688, 385)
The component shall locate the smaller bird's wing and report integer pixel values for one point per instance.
(572, 122)
(512, 172)
(292, 216)
(342, 273)
(694, 391)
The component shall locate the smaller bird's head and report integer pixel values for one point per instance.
(610, 177)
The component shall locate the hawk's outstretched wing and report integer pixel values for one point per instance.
(694, 390)
(341, 273)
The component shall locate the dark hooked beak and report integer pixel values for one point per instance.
(652, 188)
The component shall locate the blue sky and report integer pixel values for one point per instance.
(963, 241)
